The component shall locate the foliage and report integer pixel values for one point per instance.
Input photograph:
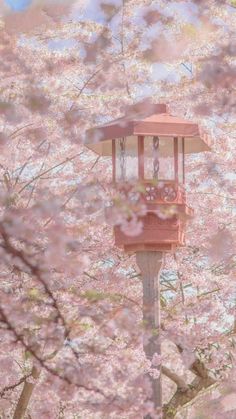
(71, 311)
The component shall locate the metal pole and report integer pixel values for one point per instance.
(149, 263)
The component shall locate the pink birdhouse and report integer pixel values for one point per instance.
(150, 149)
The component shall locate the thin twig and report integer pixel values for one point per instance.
(13, 386)
(68, 159)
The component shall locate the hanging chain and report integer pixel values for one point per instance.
(122, 158)
(156, 164)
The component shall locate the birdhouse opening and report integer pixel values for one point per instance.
(125, 159)
(148, 158)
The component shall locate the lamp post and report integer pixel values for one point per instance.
(150, 149)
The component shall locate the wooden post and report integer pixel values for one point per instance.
(149, 263)
(176, 159)
(113, 161)
(141, 157)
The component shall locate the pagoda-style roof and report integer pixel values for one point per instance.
(155, 122)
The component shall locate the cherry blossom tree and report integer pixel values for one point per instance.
(71, 311)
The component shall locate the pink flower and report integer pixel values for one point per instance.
(156, 360)
(132, 227)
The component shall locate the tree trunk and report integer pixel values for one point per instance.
(25, 396)
(149, 263)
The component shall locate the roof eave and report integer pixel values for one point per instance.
(109, 132)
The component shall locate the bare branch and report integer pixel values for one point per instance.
(13, 386)
(68, 159)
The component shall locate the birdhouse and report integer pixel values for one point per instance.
(150, 149)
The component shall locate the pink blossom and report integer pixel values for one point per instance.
(132, 227)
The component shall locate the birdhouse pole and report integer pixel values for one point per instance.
(149, 263)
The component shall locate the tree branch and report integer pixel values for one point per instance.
(26, 395)
(10, 249)
(49, 170)
(13, 386)
(19, 338)
(181, 398)
(179, 381)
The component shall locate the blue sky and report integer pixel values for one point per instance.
(18, 5)
(185, 10)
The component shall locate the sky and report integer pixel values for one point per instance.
(18, 5)
(185, 9)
